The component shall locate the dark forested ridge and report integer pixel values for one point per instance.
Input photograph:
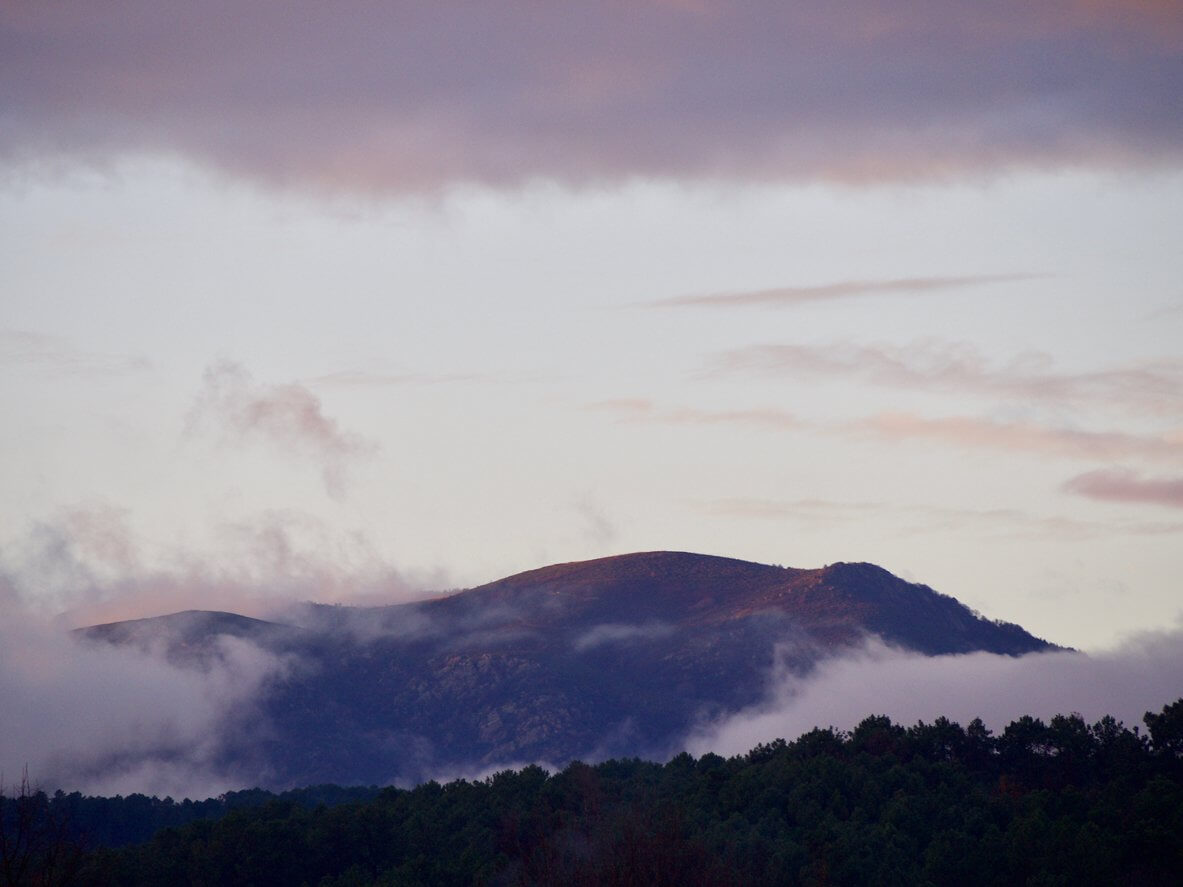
(619, 656)
(1062, 802)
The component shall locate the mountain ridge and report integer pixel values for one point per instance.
(613, 656)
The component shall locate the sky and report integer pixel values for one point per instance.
(356, 301)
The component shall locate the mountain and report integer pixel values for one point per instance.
(611, 657)
(191, 636)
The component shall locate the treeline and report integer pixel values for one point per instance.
(135, 818)
(1062, 802)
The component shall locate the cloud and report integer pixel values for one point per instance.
(107, 720)
(620, 633)
(289, 417)
(908, 520)
(1140, 675)
(795, 295)
(1175, 309)
(598, 529)
(459, 625)
(406, 97)
(1122, 485)
(361, 379)
(1024, 437)
(964, 431)
(1152, 387)
(58, 358)
(88, 565)
(643, 410)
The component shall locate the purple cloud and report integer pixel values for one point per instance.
(400, 96)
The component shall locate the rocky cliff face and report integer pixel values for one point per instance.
(616, 656)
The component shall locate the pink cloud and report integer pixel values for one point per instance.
(1151, 387)
(1122, 485)
(396, 97)
(964, 431)
(289, 417)
(1025, 437)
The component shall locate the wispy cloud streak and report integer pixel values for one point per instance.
(57, 357)
(1123, 485)
(360, 379)
(644, 410)
(909, 520)
(611, 633)
(1024, 437)
(1151, 387)
(961, 431)
(786, 296)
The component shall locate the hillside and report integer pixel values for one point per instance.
(615, 656)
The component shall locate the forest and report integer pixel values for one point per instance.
(1062, 802)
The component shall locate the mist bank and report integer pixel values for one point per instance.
(1126, 681)
(642, 655)
(113, 720)
(106, 719)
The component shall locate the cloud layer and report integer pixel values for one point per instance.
(402, 96)
(109, 720)
(1139, 676)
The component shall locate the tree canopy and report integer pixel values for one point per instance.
(1062, 802)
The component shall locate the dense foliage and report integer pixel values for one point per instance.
(1042, 804)
(114, 822)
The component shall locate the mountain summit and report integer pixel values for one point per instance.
(615, 656)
